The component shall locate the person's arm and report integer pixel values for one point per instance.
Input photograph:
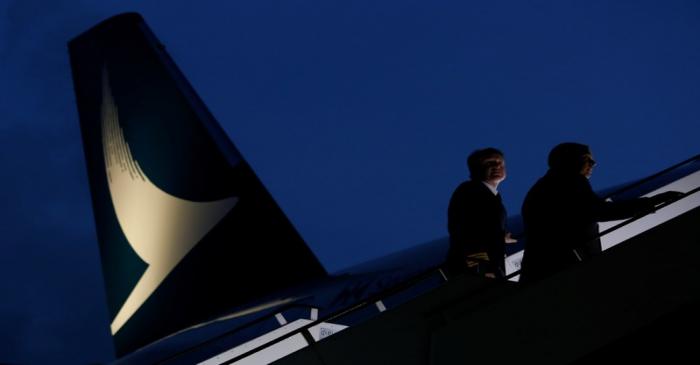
(615, 210)
(610, 210)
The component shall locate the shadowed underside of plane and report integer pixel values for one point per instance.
(186, 230)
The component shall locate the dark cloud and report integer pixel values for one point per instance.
(57, 312)
(50, 261)
(14, 333)
(50, 265)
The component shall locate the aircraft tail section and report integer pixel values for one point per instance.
(186, 229)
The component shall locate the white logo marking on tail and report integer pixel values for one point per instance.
(161, 228)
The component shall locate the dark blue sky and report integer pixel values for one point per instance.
(357, 116)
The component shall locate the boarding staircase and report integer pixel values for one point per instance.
(635, 301)
(639, 300)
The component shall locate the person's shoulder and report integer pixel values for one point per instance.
(473, 185)
(464, 185)
(555, 183)
(467, 187)
(541, 183)
(573, 184)
(477, 190)
(568, 178)
(581, 181)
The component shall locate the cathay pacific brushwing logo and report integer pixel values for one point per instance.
(161, 228)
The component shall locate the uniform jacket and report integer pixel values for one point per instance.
(476, 224)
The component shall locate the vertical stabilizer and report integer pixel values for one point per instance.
(186, 229)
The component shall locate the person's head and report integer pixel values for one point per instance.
(487, 165)
(572, 157)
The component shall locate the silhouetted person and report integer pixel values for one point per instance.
(476, 218)
(561, 213)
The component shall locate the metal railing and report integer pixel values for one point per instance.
(634, 219)
(238, 329)
(371, 300)
(652, 177)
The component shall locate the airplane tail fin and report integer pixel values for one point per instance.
(186, 230)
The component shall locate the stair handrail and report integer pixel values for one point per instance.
(652, 176)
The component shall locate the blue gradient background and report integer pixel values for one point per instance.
(357, 116)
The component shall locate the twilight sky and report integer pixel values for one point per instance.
(357, 116)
